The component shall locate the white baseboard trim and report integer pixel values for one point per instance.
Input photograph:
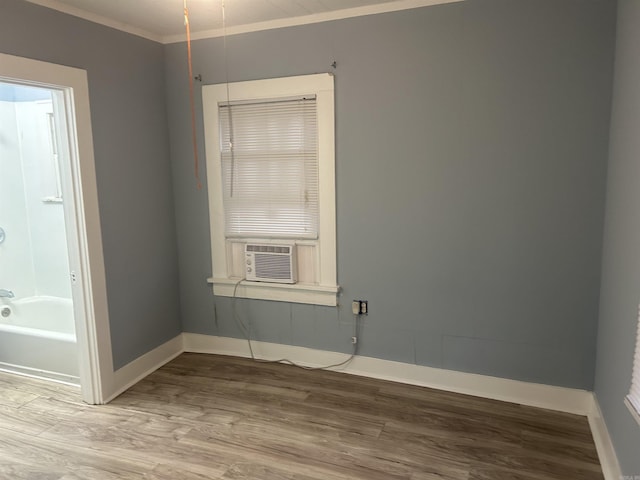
(135, 371)
(532, 394)
(580, 402)
(40, 374)
(604, 445)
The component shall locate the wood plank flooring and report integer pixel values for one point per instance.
(214, 417)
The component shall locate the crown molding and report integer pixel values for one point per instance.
(308, 19)
(238, 29)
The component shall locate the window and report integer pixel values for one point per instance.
(633, 399)
(271, 177)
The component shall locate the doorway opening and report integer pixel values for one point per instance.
(37, 326)
(52, 280)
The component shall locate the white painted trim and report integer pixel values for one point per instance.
(322, 85)
(296, 293)
(99, 19)
(40, 374)
(632, 410)
(388, 7)
(82, 216)
(604, 445)
(532, 394)
(308, 19)
(328, 259)
(575, 401)
(148, 363)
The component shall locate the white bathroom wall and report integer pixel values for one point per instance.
(46, 218)
(33, 258)
(16, 267)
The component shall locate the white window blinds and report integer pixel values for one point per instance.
(634, 392)
(269, 153)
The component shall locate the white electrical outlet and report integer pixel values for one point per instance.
(360, 307)
(364, 307)
(355, 307)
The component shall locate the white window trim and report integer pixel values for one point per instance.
(326, 290)
(632, 410)
(635, 377)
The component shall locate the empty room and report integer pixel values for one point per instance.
(319, 239)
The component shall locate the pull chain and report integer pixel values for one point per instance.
(196, 163)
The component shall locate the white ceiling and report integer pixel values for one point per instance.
(163, 20)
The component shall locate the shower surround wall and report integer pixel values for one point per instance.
(33, 257)
(16, 249)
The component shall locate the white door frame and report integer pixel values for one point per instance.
(82, 219)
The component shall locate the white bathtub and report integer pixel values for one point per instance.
(38, 338)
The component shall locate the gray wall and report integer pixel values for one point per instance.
(621, 256)
(129, 121)
(471, 160)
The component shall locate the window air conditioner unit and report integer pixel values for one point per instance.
(270, 263)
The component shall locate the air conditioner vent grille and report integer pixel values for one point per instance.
(269, 249)
(273, 266)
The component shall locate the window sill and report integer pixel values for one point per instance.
(279, 292)
(633, 411)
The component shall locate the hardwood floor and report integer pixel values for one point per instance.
(213, 417)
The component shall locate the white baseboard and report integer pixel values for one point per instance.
(604, 445)
(135, 371)
(40, 374)
(580, 402)
(536, 395)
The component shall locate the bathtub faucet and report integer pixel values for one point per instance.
(6, 293)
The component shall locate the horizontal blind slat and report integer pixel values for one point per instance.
(270, 170)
